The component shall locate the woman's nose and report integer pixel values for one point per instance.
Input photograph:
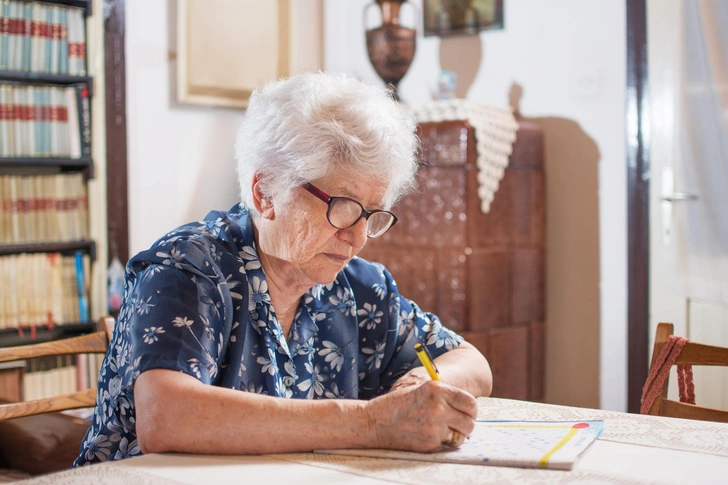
(355, 235)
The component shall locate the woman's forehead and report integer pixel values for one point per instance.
(367, 190)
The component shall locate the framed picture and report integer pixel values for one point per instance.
(227, 48)
(461, 17)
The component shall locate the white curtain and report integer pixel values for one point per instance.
(704, 133)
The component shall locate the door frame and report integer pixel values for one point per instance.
(638, 202)
(116, 147)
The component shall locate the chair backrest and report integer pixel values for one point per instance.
(692, 354)
(93, 343)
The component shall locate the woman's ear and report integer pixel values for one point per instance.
(263, 203)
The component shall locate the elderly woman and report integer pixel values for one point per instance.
(258, 330)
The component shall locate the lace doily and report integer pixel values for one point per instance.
(110, 473)
(495, 131)
(636, 429)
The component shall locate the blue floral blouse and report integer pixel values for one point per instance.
(198, 302)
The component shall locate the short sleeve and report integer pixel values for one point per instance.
(411, 325)
(174, 321)
(402, 324)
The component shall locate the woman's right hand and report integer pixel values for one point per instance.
(420, 418)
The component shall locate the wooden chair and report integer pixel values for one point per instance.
(691, 354)
(94, 343)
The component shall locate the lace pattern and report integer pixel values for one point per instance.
(495, 131)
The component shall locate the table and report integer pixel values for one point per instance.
(633, 449)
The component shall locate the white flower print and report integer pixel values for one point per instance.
(251, 258)
(242, 367)
(114, 386)
(212, 228)
(292, 376)
(195, 367)
(152, 270)
(343, 301)
(282, 390)
(127, 449)
(393, 303)
(258, 293)
(440, 336)
(375, 355)
(333, 392)
(208, 328)
(379, 290)
(232, 284)
(333, 354)
(406, 322)
(98, 447)
(150, 334)
(315, 383)
(182, 321)
(372, 316)
(306, 348)
(270, 365)
(251, 387)
(143, 306)
(174, 258)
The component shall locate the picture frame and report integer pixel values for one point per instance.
(227, 48)
(445, 18)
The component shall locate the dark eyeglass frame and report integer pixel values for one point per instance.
(320, 194)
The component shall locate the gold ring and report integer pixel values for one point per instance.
(452, 438)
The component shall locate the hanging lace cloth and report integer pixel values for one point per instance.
(495, 131)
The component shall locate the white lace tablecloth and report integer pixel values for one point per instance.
(495, 131)
(633, 449)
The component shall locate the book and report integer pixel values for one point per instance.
(526, 444)
(84, 117)
(80, 281)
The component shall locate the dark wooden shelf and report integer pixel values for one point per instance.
(84, 4)
(45, 78)
(51, 247)
(85, 165)
(10, 337)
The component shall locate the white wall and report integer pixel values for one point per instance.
(180, 157)
(569, 57)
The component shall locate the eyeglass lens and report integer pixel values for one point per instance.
(345, 212)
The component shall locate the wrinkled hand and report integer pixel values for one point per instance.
(415, 377)
(420, 418)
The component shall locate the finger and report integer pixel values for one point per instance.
(461, 423)
(462, 401)
(454, 439)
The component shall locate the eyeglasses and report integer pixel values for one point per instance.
(344, 212)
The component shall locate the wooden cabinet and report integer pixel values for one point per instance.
(482, 274)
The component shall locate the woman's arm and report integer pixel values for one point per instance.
(176, 412)
(463, 367)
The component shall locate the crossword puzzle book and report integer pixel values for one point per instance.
(527, 444)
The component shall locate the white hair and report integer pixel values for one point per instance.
(304, 128)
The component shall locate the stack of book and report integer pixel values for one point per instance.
(43, 208)
(54, 376)
(42, 38)
(44, 121)
(43, 289)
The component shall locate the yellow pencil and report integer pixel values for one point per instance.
(427, 362)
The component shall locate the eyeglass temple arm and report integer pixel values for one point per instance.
(316, 192)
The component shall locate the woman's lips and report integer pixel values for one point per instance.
(337, 257)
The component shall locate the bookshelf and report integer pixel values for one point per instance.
(49, 237)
